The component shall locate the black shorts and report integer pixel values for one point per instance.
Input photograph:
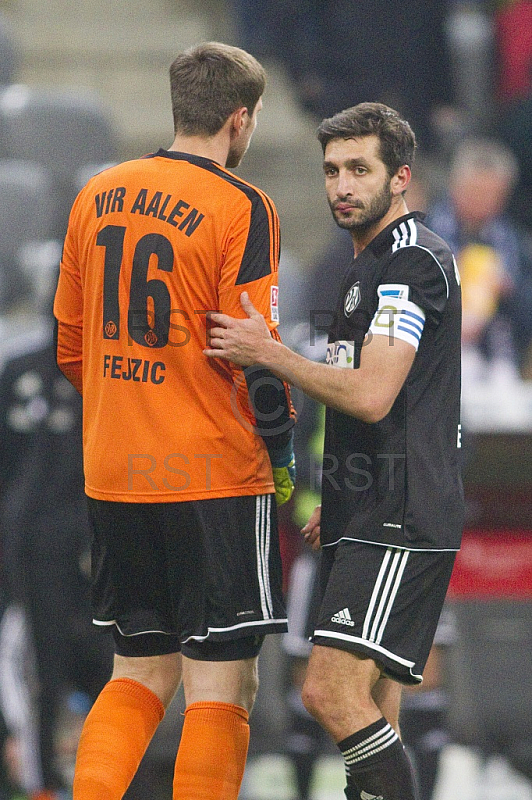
(201, 577)
(383, 602)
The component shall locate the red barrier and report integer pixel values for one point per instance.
(493, 564)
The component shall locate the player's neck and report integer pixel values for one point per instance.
(361, 240)
(215, 148)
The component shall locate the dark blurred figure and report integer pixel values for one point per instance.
(46, 546)
(397, 56)
(305, 739)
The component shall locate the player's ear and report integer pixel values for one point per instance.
(401, 179)
(239, 119)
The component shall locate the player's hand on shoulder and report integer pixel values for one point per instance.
(311, 531)
(239, 340)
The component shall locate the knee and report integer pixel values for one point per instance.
(316, 698)
(335, 711)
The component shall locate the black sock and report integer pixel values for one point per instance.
(377, 766)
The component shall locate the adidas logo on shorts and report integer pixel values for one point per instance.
(343, 617)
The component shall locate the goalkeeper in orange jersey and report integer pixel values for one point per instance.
(178, 452)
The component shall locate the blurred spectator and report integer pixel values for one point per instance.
(46, 543)
(305, 740)
(515, 130)
(513, 89)
(513, 38)
(401, 59)
(7, 784)
(46, 550)
(424, 718)
(494, 258)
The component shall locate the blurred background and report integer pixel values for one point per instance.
(85, 84)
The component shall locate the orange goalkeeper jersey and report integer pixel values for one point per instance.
(153, 245)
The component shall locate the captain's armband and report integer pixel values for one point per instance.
(396, 316)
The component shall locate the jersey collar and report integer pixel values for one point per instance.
(176, 155)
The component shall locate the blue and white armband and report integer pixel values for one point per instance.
(396, 316)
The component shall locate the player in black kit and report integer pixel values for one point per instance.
(392, 499)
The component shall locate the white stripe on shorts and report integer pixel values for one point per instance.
(384, 593)
(262, 540)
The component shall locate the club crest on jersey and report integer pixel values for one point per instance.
(151, 338)
(352, 299)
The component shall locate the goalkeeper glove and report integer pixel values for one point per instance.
(284, 473)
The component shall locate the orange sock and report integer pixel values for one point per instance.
(114, 738)
(212, 754)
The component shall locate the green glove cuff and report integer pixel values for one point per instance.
(284, 480)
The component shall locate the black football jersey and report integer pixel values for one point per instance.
(398, 481)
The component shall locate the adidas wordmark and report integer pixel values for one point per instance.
(343, 617)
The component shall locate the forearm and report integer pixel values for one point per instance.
(346, 390)
(367, 392)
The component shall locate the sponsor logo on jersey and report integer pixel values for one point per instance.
(352, 299)
(366, 796)
(340, 354)
(343, 617)
(274, 303)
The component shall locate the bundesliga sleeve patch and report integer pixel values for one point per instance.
(274, 303)
(397, 317)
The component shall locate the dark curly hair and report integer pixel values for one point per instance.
(397, 139)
